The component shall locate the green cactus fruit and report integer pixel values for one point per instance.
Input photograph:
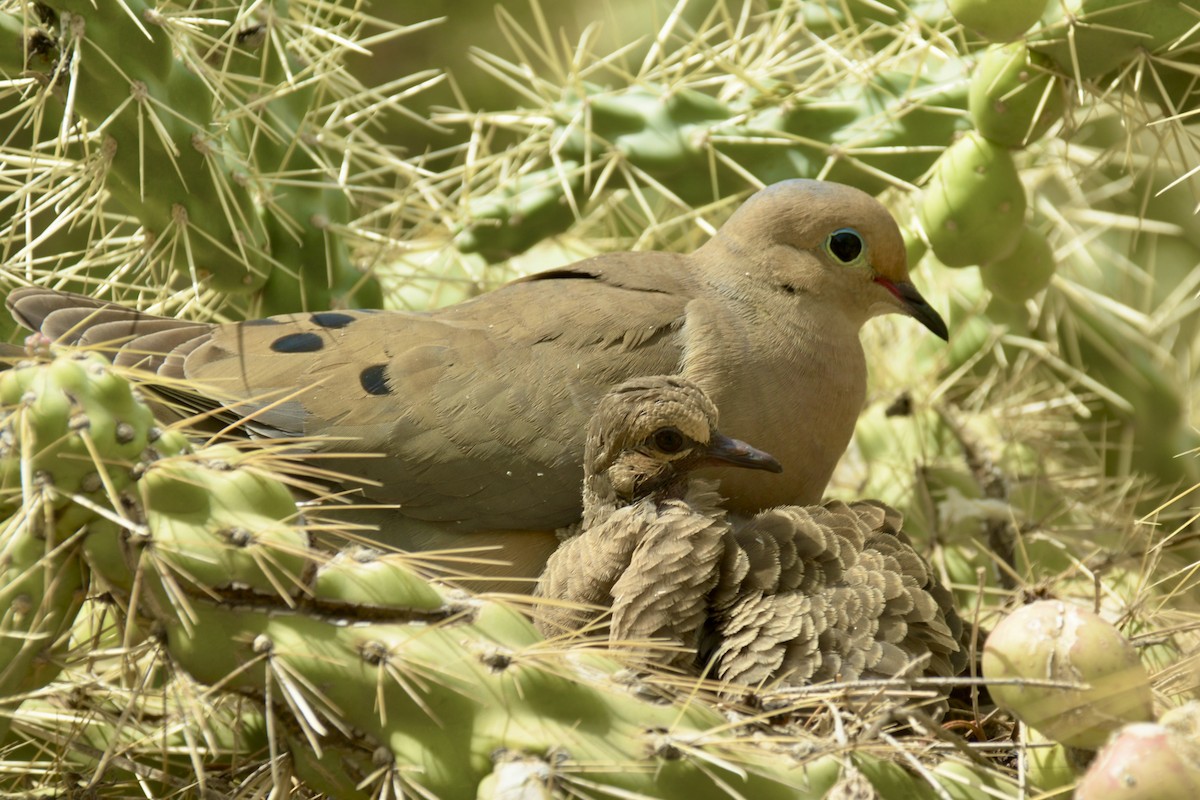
(1015, 96)
(1054, 641)
(1024, 272)
(1094, 37)
(998, 20)
(973, 208)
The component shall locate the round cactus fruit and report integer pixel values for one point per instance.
(1014, 96)
(1146, 761)
(1053, 641)
(1024, 272)
(998, 20)
(973, 207)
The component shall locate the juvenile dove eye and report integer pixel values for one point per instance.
(846, 245)
(668, 440)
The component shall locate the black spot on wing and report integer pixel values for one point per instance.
(298, 343)
(331, 319)
(374, 380)
(560, 275)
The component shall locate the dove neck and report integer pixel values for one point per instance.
(601, 498)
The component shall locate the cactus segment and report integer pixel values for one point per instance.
(1015, 97)
(514, 217)
(1094, 37)
(81, 428)
(998, 20)
(363, 579)
(1024, 272)
(42, 585)
(973, 208)
(154, 112)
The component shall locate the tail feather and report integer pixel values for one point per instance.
(130, 338)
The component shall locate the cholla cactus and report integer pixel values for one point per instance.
(392, 683)
(221, 161)
(215, 150)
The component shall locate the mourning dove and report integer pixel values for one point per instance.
(652, 539)
(796, 594)
(829, 592)
(480, 408)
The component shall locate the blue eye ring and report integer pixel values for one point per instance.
(846, 245)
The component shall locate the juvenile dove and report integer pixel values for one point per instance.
(795, 594)
(828, 592)
(480, 408)
(652, 539)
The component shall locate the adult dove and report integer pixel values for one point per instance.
(796, 594)
(479, 409)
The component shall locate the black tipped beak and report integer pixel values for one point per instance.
(732, 451)
(916, 306)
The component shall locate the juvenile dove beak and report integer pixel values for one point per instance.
(916, 306)
(736, 452)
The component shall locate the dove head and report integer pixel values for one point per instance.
(647, 434)
(826, 241)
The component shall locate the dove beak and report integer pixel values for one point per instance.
(915, 305)
(733, 451)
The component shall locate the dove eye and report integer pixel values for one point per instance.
(668, 440)
(846, 245)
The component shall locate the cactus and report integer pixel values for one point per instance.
(217, 151)
(232, 141)
(1024, 272)
(997, 22)
(355, 657)
(1015, 95)
(73, 435)
(973, 208)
